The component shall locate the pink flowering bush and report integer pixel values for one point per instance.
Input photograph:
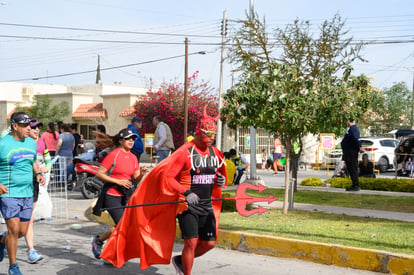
(167, 101)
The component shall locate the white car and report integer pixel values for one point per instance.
(332, 157)
(380, 151)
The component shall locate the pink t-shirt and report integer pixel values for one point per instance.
(50, 141)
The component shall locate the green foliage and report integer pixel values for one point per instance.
(294, 83)
(308, 88)
(380, 184)
(310, 181)
(339, 182)
(397, 106)
(43, 110)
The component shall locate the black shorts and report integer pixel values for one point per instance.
(197, 226)
(35, 190)
(114, 201)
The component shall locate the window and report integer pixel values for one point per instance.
(387, 143)
(86, 131)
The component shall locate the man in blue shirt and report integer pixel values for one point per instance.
(18, 168)
(350, 145)
(138, 148)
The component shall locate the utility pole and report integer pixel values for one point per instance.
(223, 42)
(186, 91)
(412, 107)
(252, 128)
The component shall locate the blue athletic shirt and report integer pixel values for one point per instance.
(16, 166)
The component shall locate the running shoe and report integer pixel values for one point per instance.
(97, 247)
(176, 261)
(14, 270)
(2, 245)
(33, 257)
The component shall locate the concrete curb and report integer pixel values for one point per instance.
(330, 254)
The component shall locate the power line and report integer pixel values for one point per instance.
(103, 41)
(106, 30)
(103, 69)
(368, 42)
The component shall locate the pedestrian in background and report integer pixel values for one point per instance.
(50, 137)
(44, 163)
(78, 140)
(59, 126)
(101, 128)
(366, 167)
(17, 154)
(350, 145)
(163, 139)
(230, 168)
(241, 163)
(264, 158)
(138, 148)
(64, 148)
(277, 153)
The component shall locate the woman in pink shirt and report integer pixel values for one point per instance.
(50, 137)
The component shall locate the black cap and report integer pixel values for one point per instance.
(126, 133)
(35, 123)
(20, 118)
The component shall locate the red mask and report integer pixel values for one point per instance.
(207, 126)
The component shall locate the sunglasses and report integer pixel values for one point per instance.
(34, 127)
(24, 125)
(132, 137)
(208, 133)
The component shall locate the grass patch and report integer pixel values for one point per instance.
(371, 233)
(353, 200)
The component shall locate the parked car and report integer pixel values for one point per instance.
(404, 153)
(380, 150)
(332, 157)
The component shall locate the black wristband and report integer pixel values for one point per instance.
(187, 192)
(39, 174)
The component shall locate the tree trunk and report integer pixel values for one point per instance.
(294, 168)
(287, 171)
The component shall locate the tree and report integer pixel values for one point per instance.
(308, 88)
(43, 110)
(397, 106)
(167, 102)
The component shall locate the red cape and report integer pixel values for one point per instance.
(148, 232)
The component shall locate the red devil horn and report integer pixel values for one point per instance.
(217, 117)
(205, 111)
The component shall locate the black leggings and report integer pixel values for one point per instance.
(114, 201)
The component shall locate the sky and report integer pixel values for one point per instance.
(139, 41)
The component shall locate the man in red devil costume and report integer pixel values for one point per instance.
(194, 172)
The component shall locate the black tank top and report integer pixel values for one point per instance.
(203, 172)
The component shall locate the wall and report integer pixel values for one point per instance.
(114, 105)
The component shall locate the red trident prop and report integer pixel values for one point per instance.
(241, 198)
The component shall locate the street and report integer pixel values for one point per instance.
(68, 251)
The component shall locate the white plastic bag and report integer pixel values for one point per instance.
(43, 209)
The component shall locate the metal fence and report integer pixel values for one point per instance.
(264, 141)
(58, 188)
